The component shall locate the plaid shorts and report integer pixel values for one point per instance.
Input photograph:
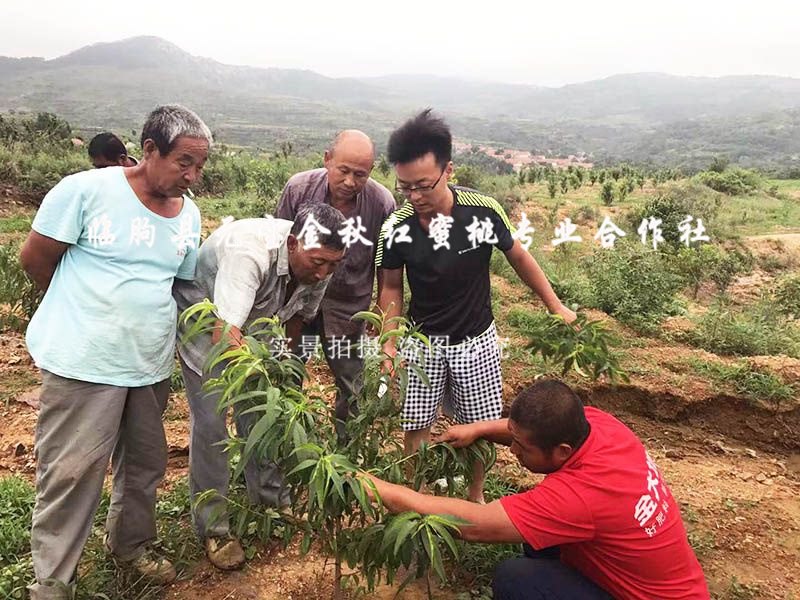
(465, 374)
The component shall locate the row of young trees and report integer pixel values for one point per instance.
(616, 181)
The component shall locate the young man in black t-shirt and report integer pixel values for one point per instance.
(444, 235)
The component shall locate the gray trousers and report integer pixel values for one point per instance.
(347, 370)
(208, 461)
(81, 425)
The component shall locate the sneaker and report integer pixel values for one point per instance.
(156, 568)
(225, 553)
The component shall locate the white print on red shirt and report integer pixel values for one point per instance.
(648, 504)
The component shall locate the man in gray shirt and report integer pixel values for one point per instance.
(249, 269)
(345, 184)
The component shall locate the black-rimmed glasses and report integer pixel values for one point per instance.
(407, 190)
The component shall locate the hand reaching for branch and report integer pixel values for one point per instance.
(459, 436)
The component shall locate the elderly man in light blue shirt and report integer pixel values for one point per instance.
(106, 246)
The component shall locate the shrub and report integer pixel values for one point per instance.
(734, 182)
(674, 203)
(708, 262)
(552, 187)
(468, 176)
(634, 283)
(607, 192)
(582, 347)
(35, 171)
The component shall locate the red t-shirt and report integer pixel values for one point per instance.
(613, 516)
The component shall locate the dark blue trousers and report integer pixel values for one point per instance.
(540, 575)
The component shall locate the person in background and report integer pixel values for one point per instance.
(107, 150)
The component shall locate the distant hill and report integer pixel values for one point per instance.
(652, 117)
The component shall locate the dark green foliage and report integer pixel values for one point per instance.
(634, 283)
(582, 347)
(734, 182)
(468, 176)
(44, 128)
(552, 187)
(708, 262)
(482, 163)
(673, 204)
(607, 193)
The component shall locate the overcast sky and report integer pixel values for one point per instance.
(547, 42)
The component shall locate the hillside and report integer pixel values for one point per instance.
(652, 117)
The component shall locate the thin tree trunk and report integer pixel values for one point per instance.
(337, 579)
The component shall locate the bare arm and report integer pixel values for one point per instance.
(488, 523)
(460, 436)
(532, 275)
(40, 256)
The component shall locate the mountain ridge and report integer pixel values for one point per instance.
(114, 84)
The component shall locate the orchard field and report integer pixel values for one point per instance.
(708, 335)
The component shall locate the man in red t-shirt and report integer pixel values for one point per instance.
(604, 509)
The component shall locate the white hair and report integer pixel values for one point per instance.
(169, 122)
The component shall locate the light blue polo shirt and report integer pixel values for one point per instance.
(108, 315)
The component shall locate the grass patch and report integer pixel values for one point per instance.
(702, 542)
(758, 329)
(737, 590)
(98, 574)
(747, 381)
(16, 224)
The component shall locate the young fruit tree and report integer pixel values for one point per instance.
(331, 505)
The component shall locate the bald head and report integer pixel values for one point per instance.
(349, 162)
(353, 140)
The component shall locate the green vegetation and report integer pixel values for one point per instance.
(734, 182)
(673, 203)
(751, 330)
(292, 428)
(787, 295)
(582, 347)
(19, 297)
(98, 575)
(748, 381)
(635, 284)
